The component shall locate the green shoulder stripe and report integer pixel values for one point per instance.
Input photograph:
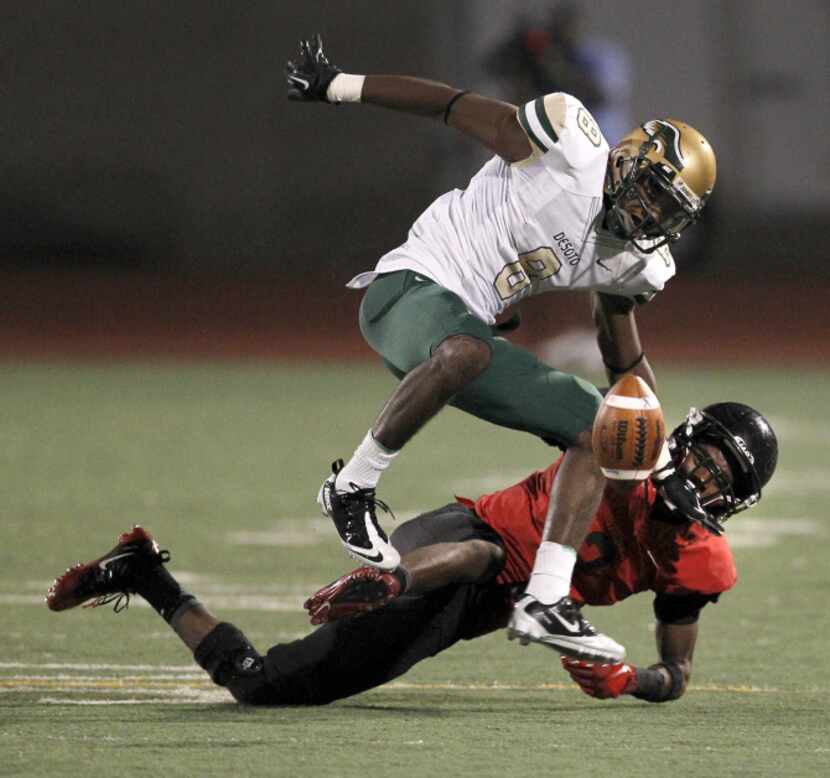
(523, 120)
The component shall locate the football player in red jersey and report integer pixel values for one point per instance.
(464, 565)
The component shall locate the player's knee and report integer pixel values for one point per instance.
(234, 663)
(487, 559)
(462, 358)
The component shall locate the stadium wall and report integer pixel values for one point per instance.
(86, 315)
(157, 135)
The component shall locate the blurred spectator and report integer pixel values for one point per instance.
(558, 56)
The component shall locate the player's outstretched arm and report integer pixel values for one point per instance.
(619, 339)
(668, 679)
(661, 682)
(491, 122)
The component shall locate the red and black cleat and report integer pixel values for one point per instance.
(109, 578)
(360, 591)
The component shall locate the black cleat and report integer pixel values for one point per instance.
(353, 514)
(563, 627)
(109, 578)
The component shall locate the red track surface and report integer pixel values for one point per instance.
(139, 316)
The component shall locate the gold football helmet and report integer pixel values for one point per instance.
(658, 180)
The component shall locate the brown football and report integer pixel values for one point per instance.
(629, 430)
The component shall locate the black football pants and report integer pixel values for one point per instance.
(358, 653)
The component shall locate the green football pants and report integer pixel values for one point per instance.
(404, 317)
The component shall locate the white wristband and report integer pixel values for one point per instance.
(345, 88)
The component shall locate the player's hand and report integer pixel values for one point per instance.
(309, 78)
(601, 681)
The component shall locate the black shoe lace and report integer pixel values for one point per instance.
(121, 599)
(369, 496)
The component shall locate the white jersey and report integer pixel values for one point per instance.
(529, 227)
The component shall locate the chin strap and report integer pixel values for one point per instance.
(678, 493)
(681, 498)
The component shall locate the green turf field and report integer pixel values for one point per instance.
(222, 463)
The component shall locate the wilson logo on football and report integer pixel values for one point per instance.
(629, 430)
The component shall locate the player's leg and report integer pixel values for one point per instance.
(335, 661)
(353, 654)
(427, 335)
(356, 653)
(519, 391)
(546, 614)
(450, 545)
(136, 566)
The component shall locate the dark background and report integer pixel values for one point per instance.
(157, 134)
(154, 137)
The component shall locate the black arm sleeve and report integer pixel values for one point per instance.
(680, 608)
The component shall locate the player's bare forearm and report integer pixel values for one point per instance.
(619, 339)
(676, 645)
(313, 78)
(405, 93)
(668, 679)
(491, 122)
(441, 564)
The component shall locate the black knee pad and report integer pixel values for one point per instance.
(234, 663)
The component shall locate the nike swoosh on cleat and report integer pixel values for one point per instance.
(104, 562)
(572, 627)
(376, 558)
(300, 81)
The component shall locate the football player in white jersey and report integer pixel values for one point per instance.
(555, 208)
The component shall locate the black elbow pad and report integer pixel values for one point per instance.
(680, 608)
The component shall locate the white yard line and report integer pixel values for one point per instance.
(220, 696)
(100, 666)
(802, 482)
(205, 584)
(205, 698)
(763, 532)
(188, 683)
(252, 601)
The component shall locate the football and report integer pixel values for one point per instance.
(629, 430)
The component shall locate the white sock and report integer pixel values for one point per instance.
(552, 572)
(364, 469)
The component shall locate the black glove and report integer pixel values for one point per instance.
(309, 79)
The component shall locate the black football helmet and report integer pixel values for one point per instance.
(747, 442)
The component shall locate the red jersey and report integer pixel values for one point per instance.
(624, 552)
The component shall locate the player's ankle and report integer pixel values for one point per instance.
(552, 572)
(364, 469)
